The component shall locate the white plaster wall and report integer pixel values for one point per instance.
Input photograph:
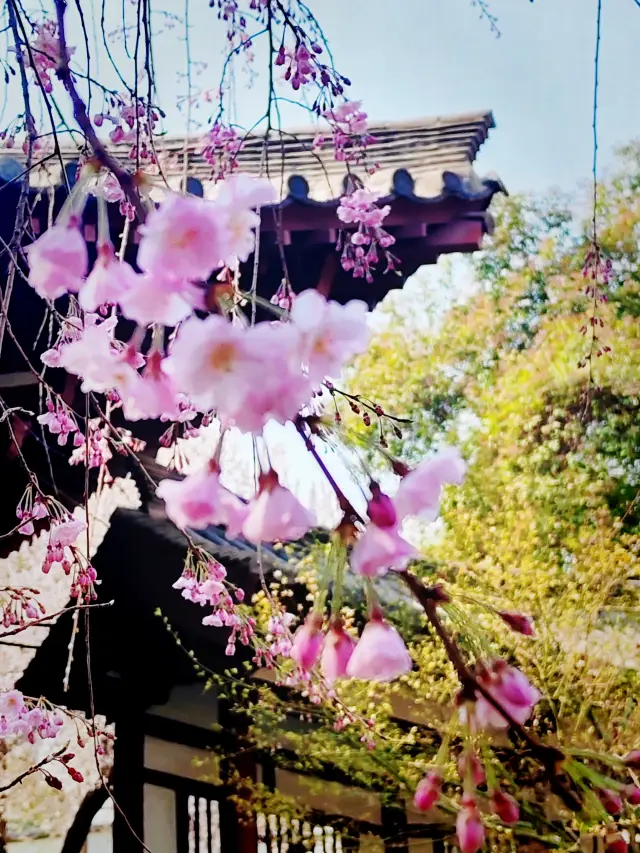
(160, 819)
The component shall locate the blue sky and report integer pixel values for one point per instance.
(417, 58)
(412, 58)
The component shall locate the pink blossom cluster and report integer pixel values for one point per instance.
(360, 252)
(61, 553)
(203, 583)
(19, 605)
(134, 123)
(380, 546)
(200, 500)
(509, 687)
(43, 53)
(30, 509)
(94, 451)
(220, 148)
(349, 132)
(61, 421)
(379, 655)
(20, 717)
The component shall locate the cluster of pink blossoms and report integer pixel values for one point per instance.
(379, 655)
(360, 252)
(220, 148)
(19, 605)
(350, 136)
(134, 123)
(61, 421)
(21, 718)
(43, 54)
(203, 582)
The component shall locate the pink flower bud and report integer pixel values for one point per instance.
(505, 807)
(428, 791)
(469, 827)
(518, 622)
(632, 795)
(307, 642)
(611, 801)
(632, 760)
(336, 652)
(470, 763)
(617, 845)
(380, 509)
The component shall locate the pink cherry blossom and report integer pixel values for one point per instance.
(336, 652)
(58, 261)
(631, 794)
(379, 549)
(184, 238)
(276, 515)
(511, 688)
(153, 396)
(469, 827)
(59, 419)
(238, 197)
(380, 654)
(11, 704)
(159, 298)
(307, 642)
(108, 282)
(199, 500)
(420, 490)
(94, 358)
(611, 800)
(65, 534)
(330, 333)
(428, 791)
(210, 363)
(220, 148)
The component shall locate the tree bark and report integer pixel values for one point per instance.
(79, 830)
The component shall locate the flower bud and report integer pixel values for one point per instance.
(470, 764)
(632, 760)
(518, 622)
(53, 782)
(469, 827)
(616, 844)
(428, 791)
(505, 807)
(631, 793)
(611, 801)
(380, 508)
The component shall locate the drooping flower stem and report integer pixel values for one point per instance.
(549, 757)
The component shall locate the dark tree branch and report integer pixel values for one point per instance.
(81, 826)
(124, 178)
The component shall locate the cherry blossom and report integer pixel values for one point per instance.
(44, 55)
(336, 652)
(380, 654)
(184, 237)
(237, 198)
(58, 261)
(469, 826)
(94, 358)
(276, 514)
(220, 148)
(59, 420)
(420, 490)
(511, 688)
(379, 549)
(428, 791)
(199, 500)
(153, 396)
(160, 298)
(307, 642)
(108, 282)
(330, 333)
